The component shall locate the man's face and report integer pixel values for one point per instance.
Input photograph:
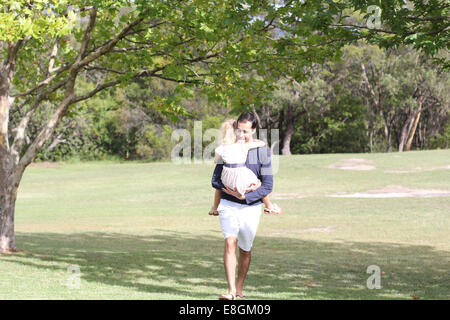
(244, 131)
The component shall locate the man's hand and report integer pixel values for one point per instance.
(236, 194)
(213, 212)
(233, 193)
(253, 187)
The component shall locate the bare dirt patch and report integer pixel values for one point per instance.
(44, 164)
(418, 169)
(396, 191)
(353, 164)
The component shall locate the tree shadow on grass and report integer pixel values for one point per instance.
(190, 266)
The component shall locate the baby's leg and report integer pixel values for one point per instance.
(270, 207)
(267, 202)
(213, 210)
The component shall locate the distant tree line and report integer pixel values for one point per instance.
(371, 100)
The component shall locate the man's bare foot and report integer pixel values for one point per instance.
(228, 296)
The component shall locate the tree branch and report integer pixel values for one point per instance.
(100, 87)
(11, 59)
(179, 81)
(107, 47)
(87, 34)
(47, 81)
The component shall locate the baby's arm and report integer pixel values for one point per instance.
(255, 144)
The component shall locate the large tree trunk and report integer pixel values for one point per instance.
(407, 129)
(7, 207)
(412, 132)
(410, 125)
(389, 135)
(404, 133)
(11, 171)
(7, 197)
(9, 182)
(287, 138)
(412, 129)
(8, 174)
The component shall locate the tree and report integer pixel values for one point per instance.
(421, 24)
(48, 47)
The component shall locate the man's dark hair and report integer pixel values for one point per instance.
(248, 116)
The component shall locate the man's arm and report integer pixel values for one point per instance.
(216, 180)
(266, 177)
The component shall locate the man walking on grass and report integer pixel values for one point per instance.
(239, 215)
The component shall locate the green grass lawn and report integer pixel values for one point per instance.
(141, 231)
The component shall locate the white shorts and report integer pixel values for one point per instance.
(239, 220)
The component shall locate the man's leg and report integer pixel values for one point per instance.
(230, 229)
(244, 263)
(249, 217)
(229, 260)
